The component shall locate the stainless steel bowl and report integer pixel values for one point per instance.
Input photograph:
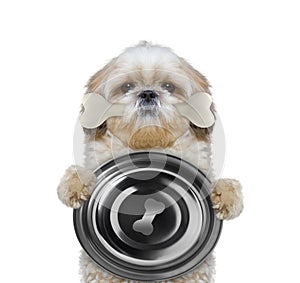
(149, 217)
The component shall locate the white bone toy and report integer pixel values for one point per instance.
(97, 109)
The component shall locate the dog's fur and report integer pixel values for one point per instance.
(157, 127)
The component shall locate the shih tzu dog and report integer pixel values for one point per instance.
(148, 79)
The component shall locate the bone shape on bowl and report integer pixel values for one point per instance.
(144, 225)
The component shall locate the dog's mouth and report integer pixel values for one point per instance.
(148, 107)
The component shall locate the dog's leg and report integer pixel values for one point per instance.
(75, 186)
(92, 273)
(227, 198)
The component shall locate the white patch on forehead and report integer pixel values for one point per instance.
(148, 57)
(147, 63)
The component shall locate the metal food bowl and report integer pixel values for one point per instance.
(149, 217)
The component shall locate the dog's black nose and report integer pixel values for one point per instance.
(148, 95)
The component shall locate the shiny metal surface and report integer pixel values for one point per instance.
(149, 217)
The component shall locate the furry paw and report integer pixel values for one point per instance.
(76, 186)
(227, 198)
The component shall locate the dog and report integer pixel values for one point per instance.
(148, 79)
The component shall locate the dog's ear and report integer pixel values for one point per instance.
(200, 84)
(94, 85)
(99, 79)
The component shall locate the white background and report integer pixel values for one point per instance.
(249, 50)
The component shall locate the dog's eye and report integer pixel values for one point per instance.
(127, 87)
(168, 86)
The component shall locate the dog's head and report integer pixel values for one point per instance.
(148, 79)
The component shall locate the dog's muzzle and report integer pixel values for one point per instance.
(148, 103)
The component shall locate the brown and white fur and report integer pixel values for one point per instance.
(152, 126)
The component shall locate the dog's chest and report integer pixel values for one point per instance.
(186, 147)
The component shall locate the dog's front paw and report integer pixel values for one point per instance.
(227, 198)
(76, 186)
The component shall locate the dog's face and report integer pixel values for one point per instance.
(148, 79)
